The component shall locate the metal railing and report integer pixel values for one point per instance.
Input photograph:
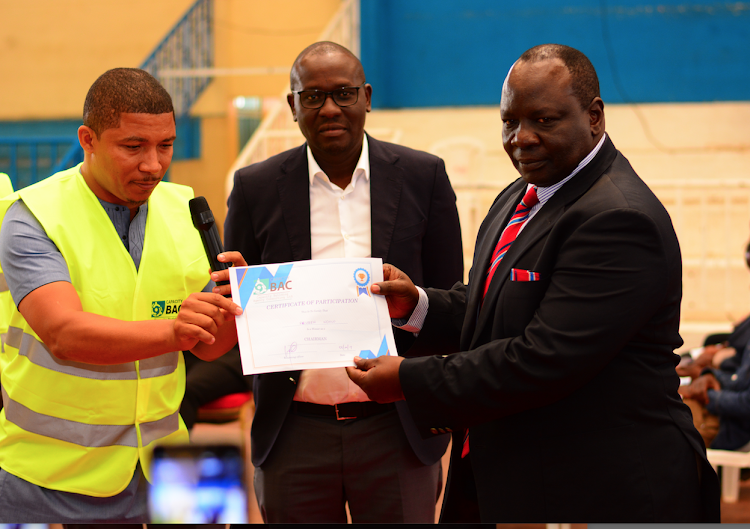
(188, 45)
(278, 132)
(28, 160)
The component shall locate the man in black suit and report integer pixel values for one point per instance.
(565, 377)
(317, 440)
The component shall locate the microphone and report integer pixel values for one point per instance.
(204, 222)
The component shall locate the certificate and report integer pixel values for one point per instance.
(310, 314)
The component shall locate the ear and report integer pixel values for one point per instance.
(596, 116)
(87, 138)
(290, 101)
(368, 96)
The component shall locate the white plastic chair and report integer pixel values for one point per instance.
(731, 462)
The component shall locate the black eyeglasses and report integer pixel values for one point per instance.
(343, 97)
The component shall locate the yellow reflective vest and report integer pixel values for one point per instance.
(79, 427)
(6, 186)
(6, 303)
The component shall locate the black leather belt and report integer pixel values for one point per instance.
(342, 412)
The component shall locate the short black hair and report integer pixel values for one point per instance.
(320, 48)
(583, 75)
(129, 90)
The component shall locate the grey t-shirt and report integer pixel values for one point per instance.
(30, 259)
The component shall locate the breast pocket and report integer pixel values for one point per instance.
(519, 302)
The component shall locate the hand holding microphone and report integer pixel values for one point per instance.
(201, 324)
(204, 222)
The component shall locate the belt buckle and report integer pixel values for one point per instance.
(339, 418)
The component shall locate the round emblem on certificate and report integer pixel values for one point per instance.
(361, 277)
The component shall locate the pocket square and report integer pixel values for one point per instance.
(516, 274)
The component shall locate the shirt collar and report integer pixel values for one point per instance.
(117, 211)
(545, 193)
(363, 164)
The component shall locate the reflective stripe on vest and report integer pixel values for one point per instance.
(38, 354)
(3, 283)
(152, 431)
(90, 435)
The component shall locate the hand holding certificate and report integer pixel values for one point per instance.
(310, 314)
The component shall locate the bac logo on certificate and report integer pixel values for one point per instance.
(310, 314)
(265, 285)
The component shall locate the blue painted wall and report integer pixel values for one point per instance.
(186, 147)
(35, 129)
(423, 53)
(33, 150)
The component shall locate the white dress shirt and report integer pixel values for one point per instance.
(339, 227)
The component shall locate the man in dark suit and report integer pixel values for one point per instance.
(565, 377)
(317, 440)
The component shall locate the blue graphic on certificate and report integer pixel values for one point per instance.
(310, 314)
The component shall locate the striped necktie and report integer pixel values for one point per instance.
(520, 216)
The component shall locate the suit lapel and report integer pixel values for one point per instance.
(386, 180)
(498, 218)
(541, 224)
(293, 183)
(532, 232)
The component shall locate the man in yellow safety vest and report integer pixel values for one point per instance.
(106, 272)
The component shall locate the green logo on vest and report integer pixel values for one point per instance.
(157, 309)
(168, 308)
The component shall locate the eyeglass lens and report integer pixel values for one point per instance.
(343, 97)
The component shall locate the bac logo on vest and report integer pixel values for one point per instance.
(168, 308)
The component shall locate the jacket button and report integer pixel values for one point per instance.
(433, 430)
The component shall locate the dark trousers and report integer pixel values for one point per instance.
(317, 465)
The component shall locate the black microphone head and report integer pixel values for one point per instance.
(200, 212)
(198, 205)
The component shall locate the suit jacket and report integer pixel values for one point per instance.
(568, 383)
(414, 226)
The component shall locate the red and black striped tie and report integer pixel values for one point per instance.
(520, 216)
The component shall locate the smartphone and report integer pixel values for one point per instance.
(198, 484)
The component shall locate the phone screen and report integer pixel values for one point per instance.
(198, 484)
